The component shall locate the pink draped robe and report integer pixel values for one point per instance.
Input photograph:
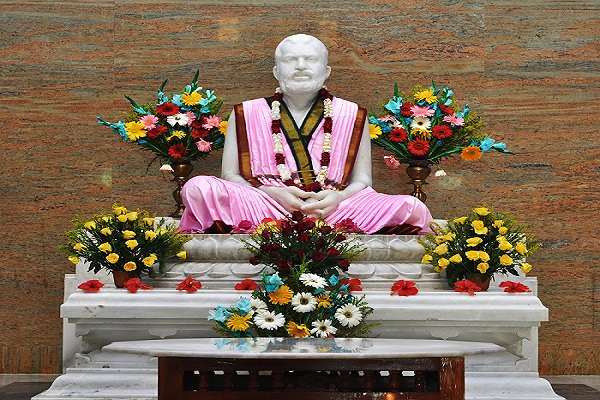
(207, 198)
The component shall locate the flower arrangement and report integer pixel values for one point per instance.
(181, 128)
(427, 126)
(124, 240)
(477, 246)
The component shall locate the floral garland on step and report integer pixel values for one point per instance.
(282, 168)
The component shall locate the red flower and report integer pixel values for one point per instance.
(325, 229)
(197, 124)
(418, 147)
(318, 256)
(404, 288)
(254, 260)
(466, 286)
(91, 286)
(514, 287)
(398, 135)
(348, 226)
(344, 264)
(446, 110)
(246, 284)
(340, 238)
(303, 237)
(405, 109)
(325, 158)
(327, 125)
(189, 284)
(279, 158)
(167, 108)
(177, 151)
(333, 252)
(200, 133)
(354, 284)
(276, 126)
(441, 131)
(244, 226)
(157, 131)
(134, 284)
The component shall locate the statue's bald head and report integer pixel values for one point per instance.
(302, 39)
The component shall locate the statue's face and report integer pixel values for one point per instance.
(301, 68)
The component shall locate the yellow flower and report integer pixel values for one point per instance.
(500, 239)
(112, 258)
(269, 226)
(323, 301)
(526, 267)
(426, 259)
(132, 244)
(129, 266)
(135, 130)
(297, 331)
(441, 249)
(106, 231)
(122, 218)
(472, 255)
(481, 211)
(479, 227)
(132, 216)
(223, 127)
(505, 245)
(106, 219)
(283, 295)
(128, 234)
(448, 237)
(118, 210)
(483, 267)
(105, 247)
(182, 255)
(460, 220)
(148, 221)
(483, 256)
(374, 131)
(238, 323)
(150, 235)
(474, 241)
(74, 259)
(78, 247)
(443, 262)
(426, 95)
(191, 99)
(506, 260)
(177, 134)
(456, 258)
(150, 260)
(503, 230)
(498, 223)
(90, 225)
(521, 248)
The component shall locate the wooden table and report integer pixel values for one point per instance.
(304, 369)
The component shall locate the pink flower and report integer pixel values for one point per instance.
(203, 145)
(454, 120)
(387, 118)
(149, 121)
(421, 111)
(191, 117)
(391, 162)
(211, 122)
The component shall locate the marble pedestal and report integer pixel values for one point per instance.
(92, 321)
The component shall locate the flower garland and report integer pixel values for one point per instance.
(282, 168)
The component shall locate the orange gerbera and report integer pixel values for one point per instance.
(297, 331)
(283, 295)
(471, 153)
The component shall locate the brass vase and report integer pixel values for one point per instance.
(418, 171)
(181, 173)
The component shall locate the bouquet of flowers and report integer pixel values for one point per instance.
(123, 240)
(181, 128)
(478, 245)
(428, 126)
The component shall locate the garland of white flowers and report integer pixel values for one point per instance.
(282, 168)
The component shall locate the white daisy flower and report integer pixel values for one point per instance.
(178, 119)
(323, 328)
(349, 315)
(268, 320)
(304, 302)
(421, 123)
(313, 280)
(258, 304)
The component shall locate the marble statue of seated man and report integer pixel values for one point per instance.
(300, 149)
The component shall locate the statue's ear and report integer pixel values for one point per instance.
(275, 73)
(328, 69)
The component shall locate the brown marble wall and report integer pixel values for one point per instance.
(531, 68)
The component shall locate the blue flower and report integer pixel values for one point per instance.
(120, 127)
(272, 282)
(488, 144)
(333, 280)
(177, 100)
(394, 105)
(243, 305)
(161, 97)
(219, 314)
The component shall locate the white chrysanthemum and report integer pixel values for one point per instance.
(268, 320)
(304, 302)
(178, 119)
(323, 328)
(349, 315)
(422, 123)
(313, 280)
(258, 304)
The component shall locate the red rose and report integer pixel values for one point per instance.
(305, 225)
(340, 238)
(177, 151)
(325, 229)
(354, 284)
(446, 110)
(279, 158)
(404, 288)
(344, 264)
(398, 135)
(189, 284)
(325, 158)
(254, 260)
(244, 226)
(297, 216)
(198, 134)
(157, 131)
(327, 125)
(246, 284)
(303, 237)
(514, 287)
(441, 131)
(418, 147)
(91, 286)
(167, 109)
(318, 256)
(276, 126)
(134, 284)
(405, 109)
(333, 252)
(283, 265)
(348, 226)
(466, 286)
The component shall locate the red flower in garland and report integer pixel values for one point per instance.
(327, 125)
(189, 284)
(354, 284)
(404, 288)
(418, 147)
(134, 284)
(466, 286)
(157, 131)
(91, 286)
(446, 110)
(325, 158)
(398, 135)
(167, 109)
(279, 158)
(177, 151)
(405, 109)
(246, 284)
(441, 131)
(514, 287)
